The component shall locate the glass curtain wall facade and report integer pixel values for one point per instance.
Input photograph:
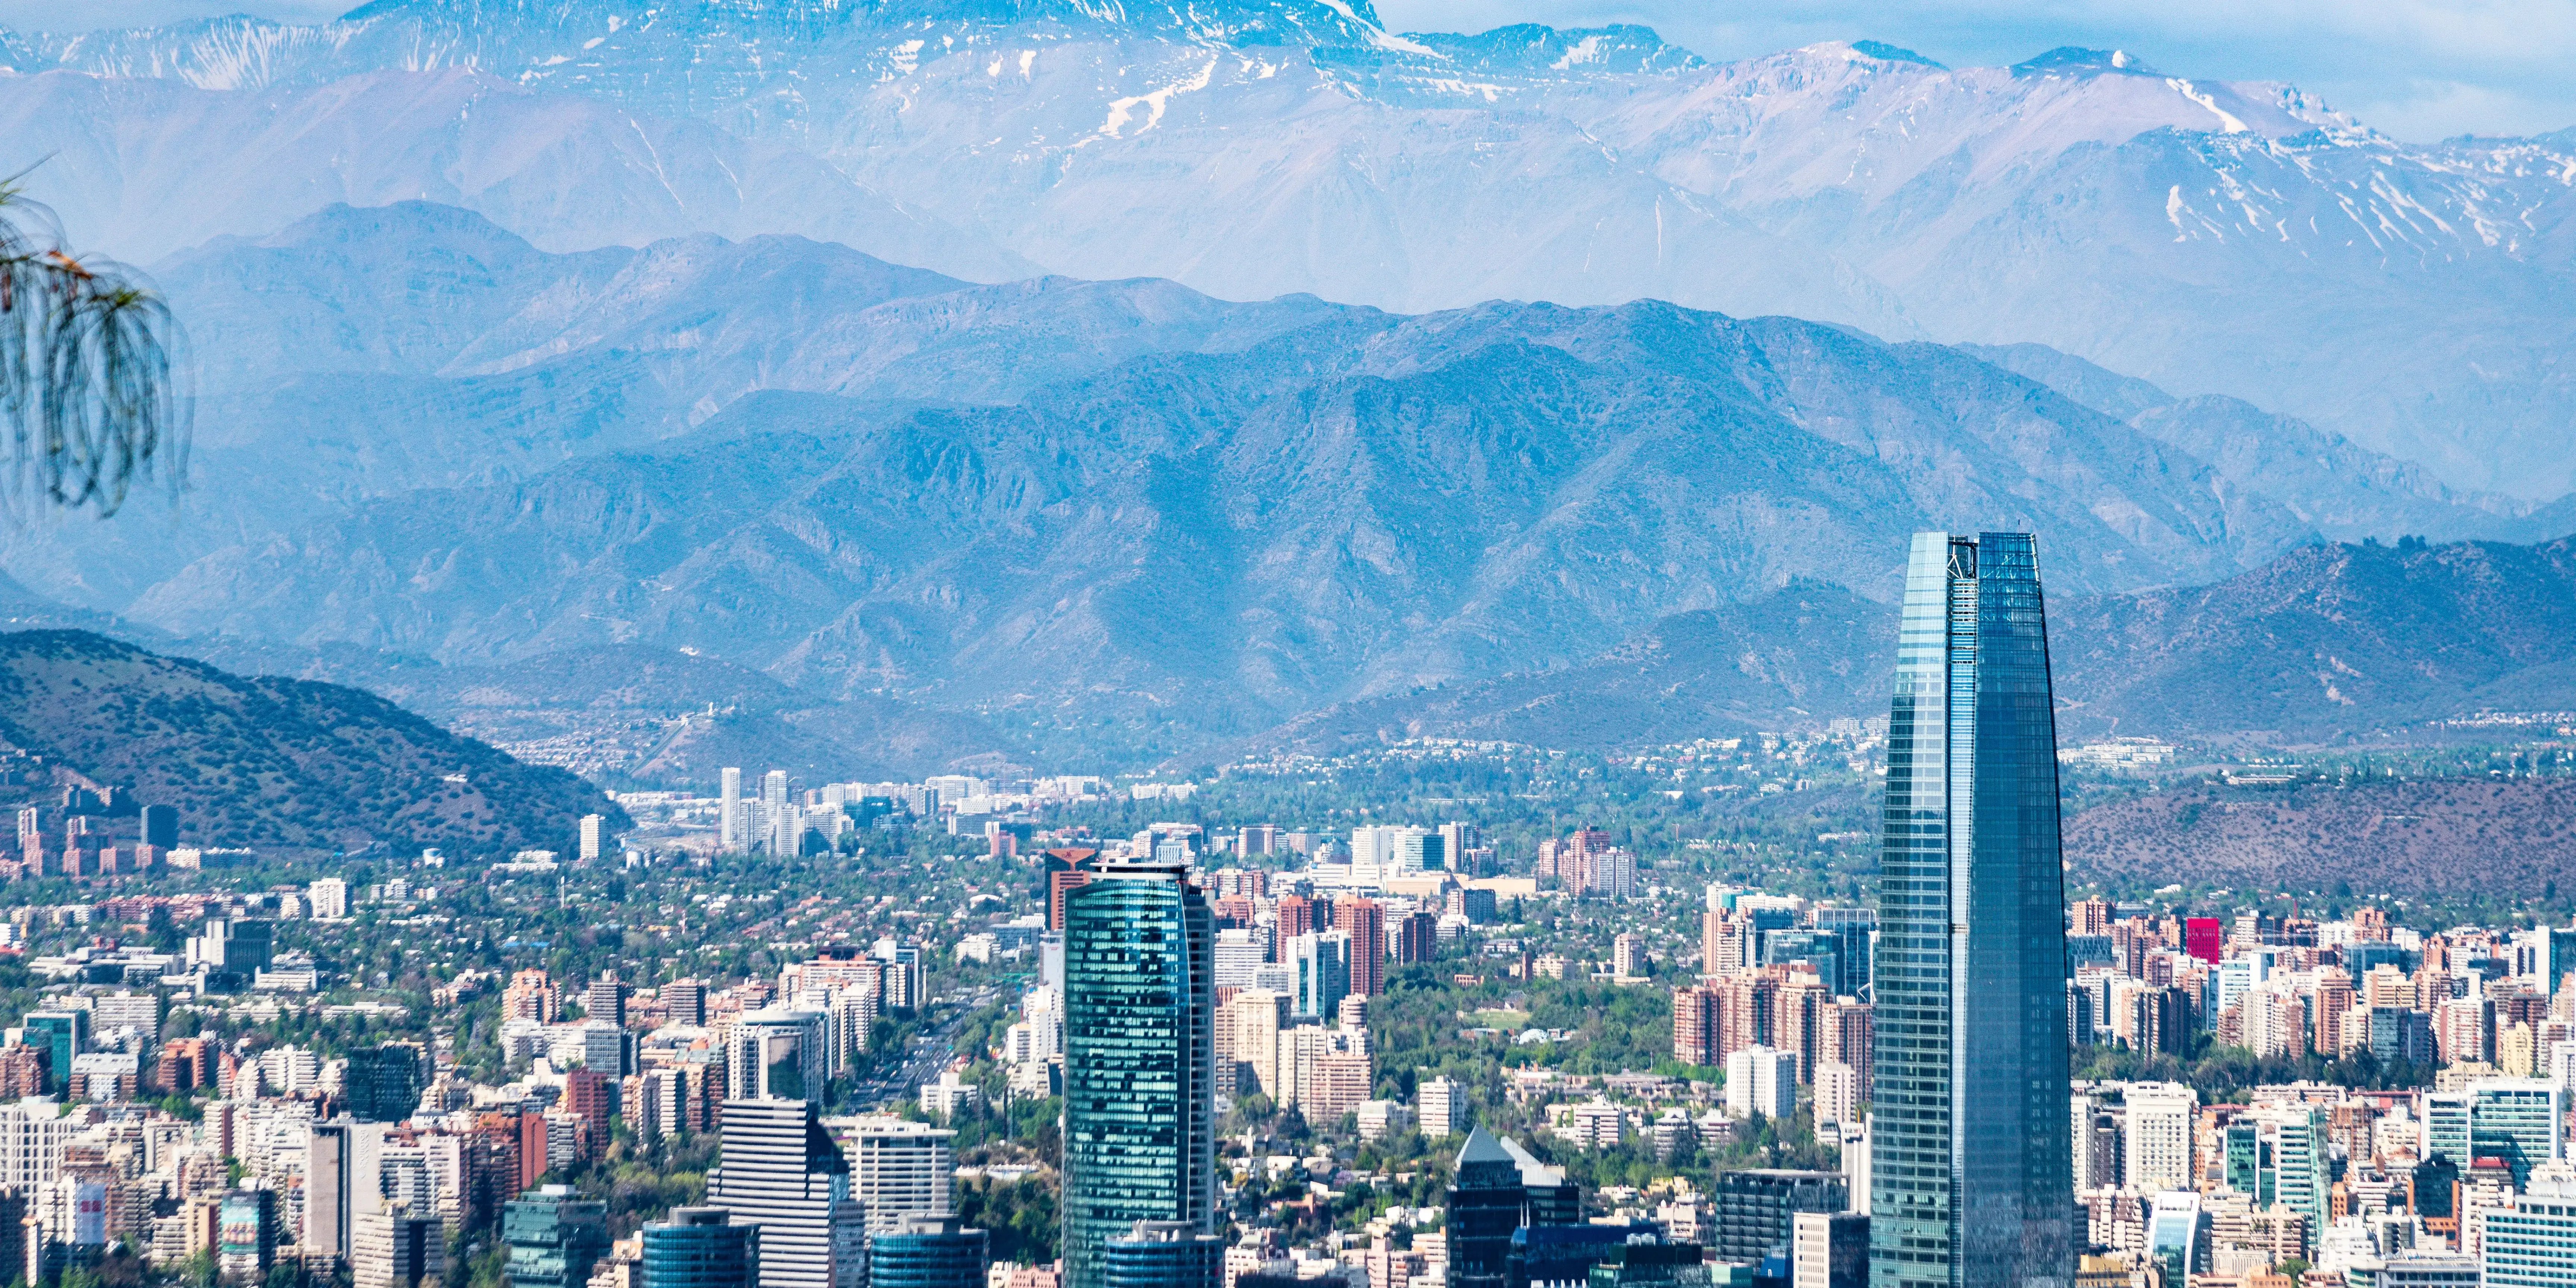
(1139, 1060)
(699, 1248)
(929, 1252)
(1971, 1178)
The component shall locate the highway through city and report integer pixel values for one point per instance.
(930, 1052)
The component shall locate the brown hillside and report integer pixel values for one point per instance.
(2512, 837)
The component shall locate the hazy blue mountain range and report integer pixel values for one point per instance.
(2327, 644)
(952, 516)
(2215, 238)
(2324, 644)
(1125, 491)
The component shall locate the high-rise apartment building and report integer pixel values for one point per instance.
(1247, 1043)
(781, 1171)
(1971, 1175)
(329, 897)
(1440, 1101)
(2156, 1136)
(1698, 1013)
(1829, 1250)
(1762, 1081)
(900, 1169)
(400, 1247)
(594, 835)
(729, 827)
(686, 1000)
(1240, 954)
(1139, 1070)
(1723, 940)
(605, 999)
(1364, 921)
(31, 839)
(2533, 1243)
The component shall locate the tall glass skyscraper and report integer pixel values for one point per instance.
(1139, 1060)
(1971, 1180)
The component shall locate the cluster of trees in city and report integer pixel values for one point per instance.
(2224, 1073)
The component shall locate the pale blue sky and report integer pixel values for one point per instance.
(2417, 69)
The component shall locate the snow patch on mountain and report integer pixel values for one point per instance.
(2224, 237)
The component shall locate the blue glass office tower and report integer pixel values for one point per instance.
(929, 1252)
(1164, 1254)
(1139, 1060)
(1971, 1179)
(700, 1247)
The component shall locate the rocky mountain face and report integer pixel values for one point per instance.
(284, 765)
(2329, 639)
(863, 478)
(914, 517)
(2218, 239)
(2433, 836)
(2323, 644)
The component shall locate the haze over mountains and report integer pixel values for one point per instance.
(717, 343)
(2239, 239)
(895, 517)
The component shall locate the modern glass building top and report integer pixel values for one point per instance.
(1971, 1181)
(1140, 1055)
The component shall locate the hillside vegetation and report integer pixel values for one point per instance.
(270, 763)
(2508, 837)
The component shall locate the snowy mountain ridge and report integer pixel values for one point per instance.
(2223, 238)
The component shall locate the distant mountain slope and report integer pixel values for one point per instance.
(945, 513)
(2330, 638)
(1355, 507)
(145, 167)
(2348, 491)
(362, 353)
(2218, 238)
(1807, 653)
(2513, 838)
(279, 765)
(2323, 643)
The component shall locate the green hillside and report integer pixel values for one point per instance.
(273, 764)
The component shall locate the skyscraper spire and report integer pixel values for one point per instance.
(1971, 1179)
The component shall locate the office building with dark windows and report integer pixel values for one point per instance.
(555, 1236)
(1971, 1183)
(1486, 1204)
(699, 1247)
(1139, 1060)
(385, 1081)
(918, 1251)
(1164, 1254)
